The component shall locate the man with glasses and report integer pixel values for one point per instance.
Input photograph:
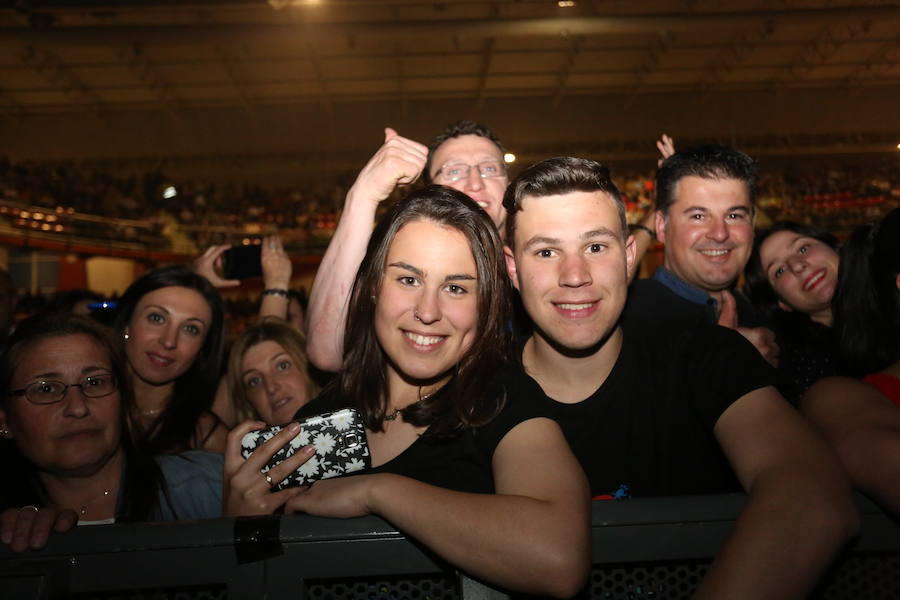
(467, 156)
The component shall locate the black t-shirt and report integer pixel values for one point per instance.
(809, 352)
(648, 430)
(462, 462)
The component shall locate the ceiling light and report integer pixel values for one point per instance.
(566, 3)
(509, 157)
(279, 4)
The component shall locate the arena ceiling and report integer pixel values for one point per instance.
(310, 82)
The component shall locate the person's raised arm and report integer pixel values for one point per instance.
(799, 512)
(399, 161)
(863, 427)
(643, 232)
(666, 146)
(276, 275)
(532, 535)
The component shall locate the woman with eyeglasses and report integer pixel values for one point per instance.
(65, 400)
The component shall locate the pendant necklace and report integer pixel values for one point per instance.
(396, 413)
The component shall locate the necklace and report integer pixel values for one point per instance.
(150, 412)
(84, 506)
(396, 413)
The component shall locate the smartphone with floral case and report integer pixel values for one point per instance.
(339, 438)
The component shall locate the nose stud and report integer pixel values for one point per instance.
(416, 315)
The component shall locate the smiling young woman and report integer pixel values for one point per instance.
(484, 480)
(171, 322)
(791, 277)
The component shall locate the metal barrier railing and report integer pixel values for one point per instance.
(642, 548)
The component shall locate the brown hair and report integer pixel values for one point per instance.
(460, 403)
(270, 329)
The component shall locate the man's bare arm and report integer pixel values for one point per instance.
(800, 511)
(399, 161)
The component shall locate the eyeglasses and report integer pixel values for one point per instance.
(50, 391)
(457, 171)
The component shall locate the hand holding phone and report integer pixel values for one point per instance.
(247, 490)
(339, 439)
(209, 265)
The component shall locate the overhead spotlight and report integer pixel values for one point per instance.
(509, 157)
(565, 3)
(279, 4)
(898, 146)
(170, 192)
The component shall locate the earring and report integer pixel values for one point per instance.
(125, 335)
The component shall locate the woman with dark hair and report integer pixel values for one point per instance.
(484, 480)
(65, 395)
(791, 276)
(268, 373)
(861, 419)
(172, 324)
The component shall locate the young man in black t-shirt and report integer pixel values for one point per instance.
(653, 407)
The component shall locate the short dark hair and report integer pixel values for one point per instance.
(195, 389)
(866, 301)
(757, 285)
(462, 402)
(711, 161)
(453, 130)
(560, 175)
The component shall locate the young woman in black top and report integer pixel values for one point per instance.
(485, 480)
(791, 277)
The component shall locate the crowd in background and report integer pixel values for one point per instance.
(835, 197)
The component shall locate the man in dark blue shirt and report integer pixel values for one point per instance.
(705, 212)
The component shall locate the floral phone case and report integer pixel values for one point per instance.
(338, 437)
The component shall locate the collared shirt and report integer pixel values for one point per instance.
(686, 290)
